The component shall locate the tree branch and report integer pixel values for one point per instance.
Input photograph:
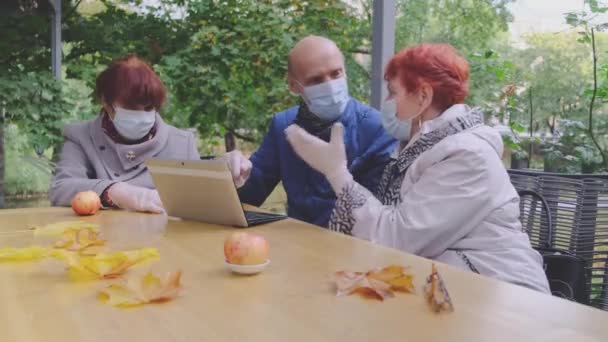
(365, 71)
(72, 10)
(366, 8)
(241, 136)
(362, 51)
(551, 124)
(592, 103)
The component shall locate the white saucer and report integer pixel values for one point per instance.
(247, 269)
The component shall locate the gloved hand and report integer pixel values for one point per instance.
(239, 166)
(127, 196)
(327, 158)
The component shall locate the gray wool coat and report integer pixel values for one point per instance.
(90, 160)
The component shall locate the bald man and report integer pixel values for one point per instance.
(316, 72)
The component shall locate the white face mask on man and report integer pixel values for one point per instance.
(133, 124)
(327, 100)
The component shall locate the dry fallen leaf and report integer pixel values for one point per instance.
(58, 228)
(103, 266)
(436, 293)
(396, 277)
(13, 254)
(142, 290)
(357, 282)
(85, 241)
(347, 282)
(376, 284)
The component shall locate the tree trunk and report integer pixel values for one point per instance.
(590, 168)
(230, 141)
(551, 165)
(56, 153)
(519, 163)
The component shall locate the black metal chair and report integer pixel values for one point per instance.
(576, 221)
(567, 273)
(535, 217)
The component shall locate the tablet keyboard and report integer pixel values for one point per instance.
(255, 218)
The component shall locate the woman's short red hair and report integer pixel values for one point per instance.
(438, 65)
(132, 82)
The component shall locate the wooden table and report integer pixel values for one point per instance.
(293, 300)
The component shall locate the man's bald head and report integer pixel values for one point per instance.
(314, 60)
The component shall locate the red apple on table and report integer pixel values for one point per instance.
(86, 203)
(243, 248)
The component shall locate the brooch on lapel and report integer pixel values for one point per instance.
(130, 156)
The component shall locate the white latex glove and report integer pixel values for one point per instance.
(327, 158)
(239, 166)
(127, 196)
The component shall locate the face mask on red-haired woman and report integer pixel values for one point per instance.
(399, 129)
(133, 124)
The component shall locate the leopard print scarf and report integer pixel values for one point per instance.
(389, 188)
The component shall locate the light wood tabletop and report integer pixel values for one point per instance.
(292, 300)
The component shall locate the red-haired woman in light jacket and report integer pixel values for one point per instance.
(446, 194)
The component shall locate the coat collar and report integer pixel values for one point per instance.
(131, 156)
(450, 114)
(453, 120)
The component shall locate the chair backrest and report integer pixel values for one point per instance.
(578, 207)
(535, 216)
(567, 274)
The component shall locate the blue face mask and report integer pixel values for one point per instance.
(133, 124)
(395, 127)
(327, 100)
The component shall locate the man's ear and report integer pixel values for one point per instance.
(293, 85)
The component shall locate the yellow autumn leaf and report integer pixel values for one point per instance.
(58, 228)
(403, 283)
(396, 277)
(142, 290)
(103, 266)
(142, 254)
(117, 295)
(13, 254)
(85, 240)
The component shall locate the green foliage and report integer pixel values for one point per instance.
(231, 76)
(588, 28)
(22, 176)
(24, 44)
(39, 105)
(470, 25)
(490, 74)
(95, 40)
(477, 28)
(558, 68)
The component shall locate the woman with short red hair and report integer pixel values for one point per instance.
(446, 194)
(106, 154)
